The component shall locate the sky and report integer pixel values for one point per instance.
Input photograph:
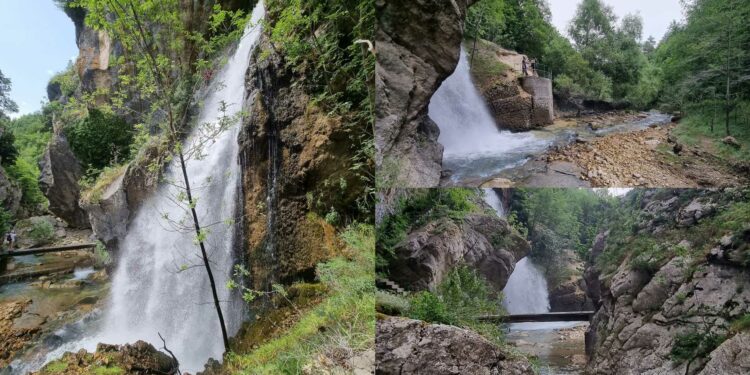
(657, 14)
(37, 40)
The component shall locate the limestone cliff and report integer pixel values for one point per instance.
(408, 72)
(482, 241)
(671, 306)
(517, 103)
(297, 168)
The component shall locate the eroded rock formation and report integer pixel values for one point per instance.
(517, 102)
(408, 73)
(406, 346)
(651, 306)
(60, 173)
(296, 163)
(485, 242)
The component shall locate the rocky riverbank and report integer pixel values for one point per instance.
(647, 158)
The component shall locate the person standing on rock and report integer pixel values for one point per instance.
(533, 67)
(12, 239)
(525, 67)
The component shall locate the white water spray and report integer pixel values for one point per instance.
(491, 198)
(474, 145)
(152, 292)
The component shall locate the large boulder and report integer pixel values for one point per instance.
(60, 172)
(405, 346)
(484, 242)
(138, 358)
(408, 73)
(109, 212)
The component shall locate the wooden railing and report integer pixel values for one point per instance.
(576, 316)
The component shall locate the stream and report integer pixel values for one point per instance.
(559, 346)
(160, 285)
(475, 149)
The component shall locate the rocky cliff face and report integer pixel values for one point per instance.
(408, 73)
(296, 163)
(517, 103)
(671, 312)
(405, 346)
(60, 173)
(486, 243)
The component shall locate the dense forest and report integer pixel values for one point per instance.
(701, 67)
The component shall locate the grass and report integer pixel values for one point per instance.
(741, 324)
(696, 128)
(485, 66)
(344, 322)
(93, 191)
(56, 367)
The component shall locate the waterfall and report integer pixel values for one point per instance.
(152, 289)
(526, 290)
(474, 146)
(491, 198)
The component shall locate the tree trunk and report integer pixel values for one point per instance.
(203, 252)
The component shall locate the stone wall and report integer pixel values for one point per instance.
(542, 104)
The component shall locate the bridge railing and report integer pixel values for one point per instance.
(576, 316)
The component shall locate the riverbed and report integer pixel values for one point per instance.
(513, 152)
(559, 347)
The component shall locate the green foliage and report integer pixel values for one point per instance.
(319, 42)
(42, 231)
(460, 300)
(344, 320)
(8, 150)
(416, 209)
(27, 175)
(391, 304)
(704, 59)
(31, 136)
(6, 104)
(6, 220)
(68, 81)
(100, 140)
(691, 345)
(103, 259)
(741, 324)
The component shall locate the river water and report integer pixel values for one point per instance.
(160, 285)
(476, 149)
(559, 346)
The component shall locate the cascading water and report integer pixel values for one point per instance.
(474, 146)
(526, 290)
(491, 197)
(152, 291)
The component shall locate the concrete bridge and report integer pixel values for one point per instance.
(576, 316)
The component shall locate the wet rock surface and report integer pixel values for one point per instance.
(486, 243)
(138, 358)
(405, 346)
(408, 73)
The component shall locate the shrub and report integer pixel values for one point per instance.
(102, 256)
(691, 345)
(8, 151)
(100, 139)
(42, 232)
(428, 307)
(741, 324)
